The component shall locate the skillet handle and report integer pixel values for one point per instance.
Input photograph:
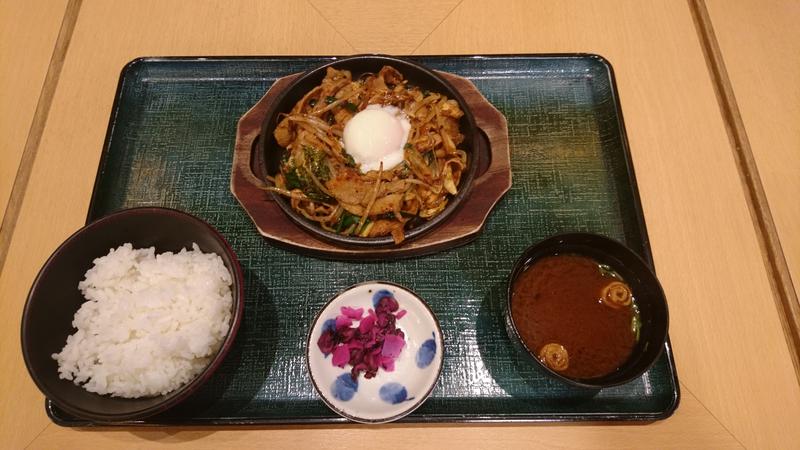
(248, 154)
(493, 176)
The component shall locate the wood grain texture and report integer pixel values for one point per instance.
(761, 51)
(463, 226)
(108, 35)
(706, 251)
(690, 428)
(761, 48)
(731, 354)
(395, 28)
(28, 32)
(28, 35)
(784, 294)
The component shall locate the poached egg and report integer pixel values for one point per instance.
(375, 135)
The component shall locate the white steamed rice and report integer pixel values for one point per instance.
(151, 322)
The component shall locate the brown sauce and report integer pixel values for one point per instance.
(558, 300)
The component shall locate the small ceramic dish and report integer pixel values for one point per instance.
(394, 391)
(650, 302)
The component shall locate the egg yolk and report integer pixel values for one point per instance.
(377, 135)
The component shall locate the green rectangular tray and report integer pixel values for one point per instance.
(170, 142)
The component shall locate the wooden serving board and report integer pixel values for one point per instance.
(491, 182)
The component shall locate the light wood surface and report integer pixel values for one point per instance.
(737, 381)
(393, 28)
(28, 31)
(761, 49)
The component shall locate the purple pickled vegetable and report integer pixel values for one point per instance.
(373, 344)
(347, 334)
(387, 364)
(352, 312)
(326, 342)
(341, 355)
(366, 323)
(343, 322)
(392, 346)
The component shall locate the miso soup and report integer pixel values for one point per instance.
(578, 316)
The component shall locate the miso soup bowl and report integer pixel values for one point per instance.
(647, 291)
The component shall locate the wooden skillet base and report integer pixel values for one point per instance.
(463, 226)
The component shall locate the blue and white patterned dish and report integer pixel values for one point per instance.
(389, 395)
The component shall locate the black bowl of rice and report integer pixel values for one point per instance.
(132, 314)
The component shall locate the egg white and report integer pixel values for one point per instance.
(375, 135)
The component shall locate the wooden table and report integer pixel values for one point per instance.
(726, 283)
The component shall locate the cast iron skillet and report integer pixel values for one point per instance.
(357, 65)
